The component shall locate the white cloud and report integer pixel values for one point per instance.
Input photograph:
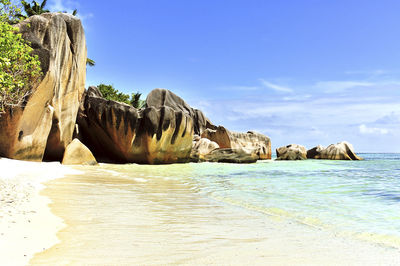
(275, 87)
(372, 130)
(339, 86)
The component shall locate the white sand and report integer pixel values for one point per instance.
(26, 224)
(146, 219)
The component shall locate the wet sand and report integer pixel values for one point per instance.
(149, 219)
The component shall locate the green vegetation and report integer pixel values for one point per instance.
(90, 62)
(33, 9)
(110, 93)
(19, 69)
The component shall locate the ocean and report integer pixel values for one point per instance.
(185, 213)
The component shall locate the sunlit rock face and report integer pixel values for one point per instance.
(161, 97)
(117, 132)
(77, 153)
(48, 117)
(291, 152)
(227, 155)
(250, 142)
(201, 147)
(340, 151)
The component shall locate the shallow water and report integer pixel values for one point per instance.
(278, 212)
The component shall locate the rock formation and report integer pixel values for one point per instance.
(250, 142)
(44, 126)
(77, 153)
(158, 98)
(228, 155)
(117, 132)
(202, 147)
(312, 153)
(291, 152)
(340, 151)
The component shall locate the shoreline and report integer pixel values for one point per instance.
(43, 210)
(171, 222)
(27, 225)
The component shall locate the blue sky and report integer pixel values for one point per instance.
(300, 71)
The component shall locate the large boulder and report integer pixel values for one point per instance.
(202, 147)
(158, 98)
(250, 142)
(230, 156)
(78, 154)
(314, 152)
(117, 132)
(340, 151)
(291, 152)
(44, 125)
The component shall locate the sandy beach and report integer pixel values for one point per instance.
(148, 218)
(27, 225)
(107, 215)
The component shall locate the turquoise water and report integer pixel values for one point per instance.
(353, 198)
(360, 198)
(229, 214)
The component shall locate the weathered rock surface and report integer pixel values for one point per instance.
(158, 98)
(228, 155)
(201, 148)
(117, 132)
(291, 152)
(78, 154)
(312, 153)
(250, 142)
(48, 117)
(340, 151)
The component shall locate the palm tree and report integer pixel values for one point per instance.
(33, 9)
(90, 62)
(135, 100)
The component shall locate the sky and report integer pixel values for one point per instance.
(299, 71)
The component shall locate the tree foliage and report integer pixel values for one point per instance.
(34, 8)
(110, 93)
(9, 12)
(19, 69)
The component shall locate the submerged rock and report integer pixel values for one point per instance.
(340, 151)
(77, 153)
(228, 155)
(250, 142)
(291, 152)
(44, 126)
(117, 132)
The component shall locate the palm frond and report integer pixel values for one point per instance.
(43, 4)
(90, 62)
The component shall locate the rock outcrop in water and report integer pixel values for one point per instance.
(117, 132)
(291, 152)
(44, 126)
(227, 155)
(250, 142)
(340, 151)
